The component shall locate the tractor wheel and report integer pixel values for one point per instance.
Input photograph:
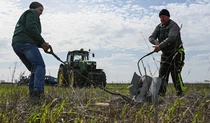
(102, 79)
(73, 79)
(62, 79)
(60, 75)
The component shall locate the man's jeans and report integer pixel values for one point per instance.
(32, 59)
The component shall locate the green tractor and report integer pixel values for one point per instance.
(79, 71)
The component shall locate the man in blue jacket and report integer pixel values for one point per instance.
(166, 37)
(26, 41)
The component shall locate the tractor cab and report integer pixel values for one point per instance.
(76, 56)
(73, 57)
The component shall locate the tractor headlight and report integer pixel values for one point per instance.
(89, 63)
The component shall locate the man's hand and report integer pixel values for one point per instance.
(157, 48)
(45, 46)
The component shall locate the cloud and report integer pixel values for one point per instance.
(111, 26)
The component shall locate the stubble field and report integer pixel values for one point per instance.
(93, 105)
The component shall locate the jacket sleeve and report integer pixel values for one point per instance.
(32, 26)
(154, 36)
(173, 34)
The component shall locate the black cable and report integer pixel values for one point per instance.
(92, 82)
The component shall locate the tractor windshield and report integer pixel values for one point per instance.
(80, 56)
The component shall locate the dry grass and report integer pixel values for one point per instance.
(93, 105)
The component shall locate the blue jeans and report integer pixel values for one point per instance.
(32, 59)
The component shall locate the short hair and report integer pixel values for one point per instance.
(164, 12)
(35, 5)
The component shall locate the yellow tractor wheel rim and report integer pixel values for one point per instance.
(60, 76)
(72, 78)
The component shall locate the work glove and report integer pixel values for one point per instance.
(157, 48)
(45, 46)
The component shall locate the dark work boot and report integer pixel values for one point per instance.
(180, 94)
(35, 96)
(162, 94)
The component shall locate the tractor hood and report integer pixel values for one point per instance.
(87, 66)
(89, 62)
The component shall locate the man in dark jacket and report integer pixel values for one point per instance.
(166, 37)
(26, 41)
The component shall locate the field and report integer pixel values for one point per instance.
(93, 105)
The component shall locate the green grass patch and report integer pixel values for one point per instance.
(65, 104)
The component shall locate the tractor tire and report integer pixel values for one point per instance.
(103, 79)
(100, 80)
(62, 78)
(73, 79)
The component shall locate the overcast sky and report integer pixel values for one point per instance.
(116, 31)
